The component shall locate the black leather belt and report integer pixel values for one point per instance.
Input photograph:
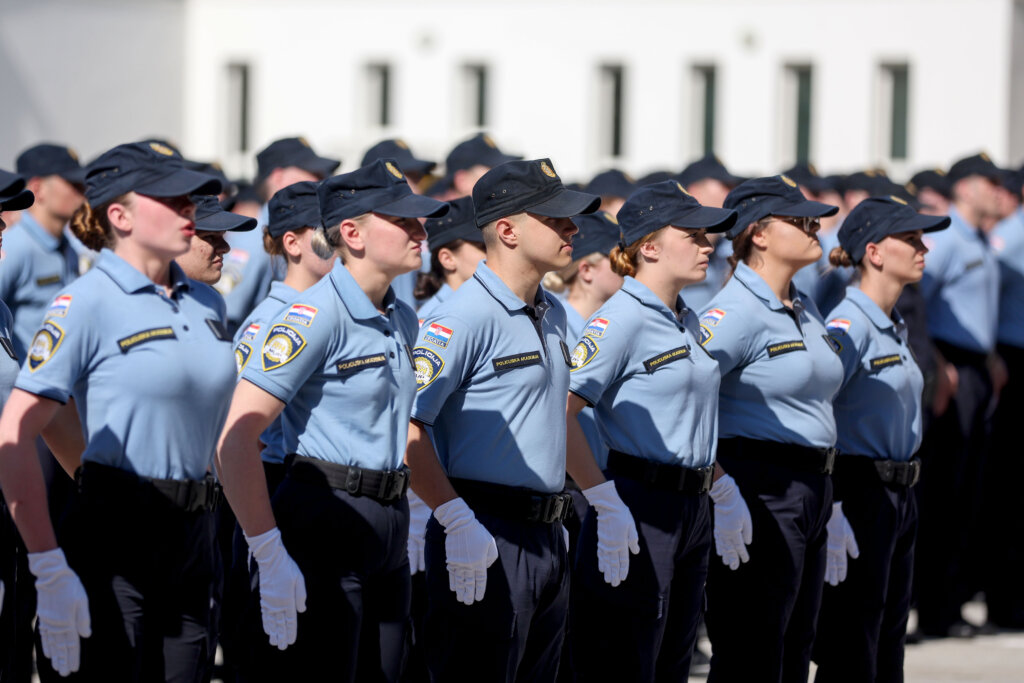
(899, 473)
(804, 458)
(661, 475)
(189, 495)
(383, 485)
(514, 503)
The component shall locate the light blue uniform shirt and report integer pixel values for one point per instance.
(493, 381)
(36, 266)
(780, 370)
(574, 324)
(152, 376)
(343, 370)
(1007, 242)
(8, 360)
(248, 271)
(431, 305)
(878, 409)
(247, 337)
(961, 287)
(653, 387)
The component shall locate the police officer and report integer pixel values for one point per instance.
(337, 364)
(492, 367)
(614, 187)
(205, 258)
(961, 288)
(249, 269)
(465, 164)
(396, 149)
(655, 397)
(777, 434)
(456, 247)
(864, 610)
(16, 660)
(143, 351)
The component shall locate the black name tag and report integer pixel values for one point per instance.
(652, 364)
(785, 347)
(146, 336)
(43, 281)
(8, 347)
(974, 264)
(361, 363)
(886, 361)
(218, 329)
(519, 360)
(565, 353)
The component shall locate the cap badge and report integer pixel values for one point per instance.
(401, 144)
(789, 181)
(812, 169)
(898, 200)
(488, 141)
(393, 170)
(73, 154)
(984, 157)
(161, 149)
(683, 190)
(547, 170)
(303, 142)
(940, 172)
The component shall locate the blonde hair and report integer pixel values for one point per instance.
(624, 261)
(91, 225)
(558, 281)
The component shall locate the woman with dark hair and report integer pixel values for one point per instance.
(456, 247)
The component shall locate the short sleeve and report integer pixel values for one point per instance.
(598, 359)
(287, 353)
(726, 336)
(443, 357)
(61, 349)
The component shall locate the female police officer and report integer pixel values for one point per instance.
(878, 416)
(780, 372)
(143, 351)
(655, 393)
(336, 364)
(456, 248)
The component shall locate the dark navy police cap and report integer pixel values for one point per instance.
(49, 159)
(399, 151)
(933, 179)
(479, 150)
(611, 183)
(381, 188)
(598, 234)
(293, 208)
(211, 168)
(655, 177)
(13, 195)
(292, 152)
(807, 175)
(653, 207)
(458, 224)
(708, 166)
(779, 195)
(876, 218)
(149, 168)
(211, 216)
(978, 164)
(532, 186)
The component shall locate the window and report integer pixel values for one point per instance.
(610, 109)
(893, 100)
(797, 112)
(238, 107)
(474, 85)
(703, 108)
(378, 94)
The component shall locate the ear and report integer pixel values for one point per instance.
(761, 238)
(650, 250)
(120, 217)
(446, 258)
(290, 244)
(873, 254)
(35, 184)
(352, 235)
(585, 271)
(507, 231)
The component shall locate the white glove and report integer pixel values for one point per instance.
(62, 607)
(468, 548)
(616, 532)
(734, 530)
(840, 542)
(419, 513)
(282, 588)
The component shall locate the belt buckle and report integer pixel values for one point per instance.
(709, 478)
(830, 460)
(353, 480)
(886, 470)
(915, 469)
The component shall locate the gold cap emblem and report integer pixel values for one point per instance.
(548, 171)
(394, 170)
(161, 149)
(789, 181)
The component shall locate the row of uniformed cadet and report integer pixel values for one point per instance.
(494, 537)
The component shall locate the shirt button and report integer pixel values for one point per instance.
(185, 327)
(387, 333)
(392, 354)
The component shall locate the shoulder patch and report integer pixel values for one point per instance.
(713, 317)
(283, 343)
(428, 366)
(705, 334)
(300, 314)
(59, 307)
(44, 345)
(144, 337)
(679, 353)
(785, 347)
(242, 353)
(250, 332)
(596, 328)
(438, 335)
(838, 325)
(584, 353)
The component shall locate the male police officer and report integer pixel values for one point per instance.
(492, 369)
(465, 164)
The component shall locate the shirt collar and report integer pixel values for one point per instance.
(759, 288)
(960, 223)
(282, 292)
(36, 232)
(128, 278)
(352, 295)
(443, 293)
(645, 296)
(497, 288)
(875, 314)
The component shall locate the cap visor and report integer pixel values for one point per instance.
(22, 200)
(566, 204)
(319, 165)
(225, 221)
(413, 206)
(75, 176)
(707, 217)
(921, 222)
(807, 209)
(418, 166)
(180, 183)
